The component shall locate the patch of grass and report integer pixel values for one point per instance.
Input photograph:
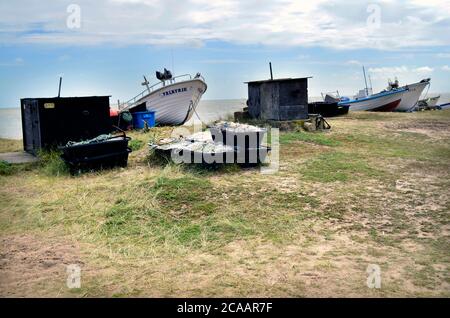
(6, 168)
(135, 144)
(396, 146)
(337, 210)
(10, 145)
(125, 219)
(318, 138)
(337, 166)
(52, 164)
(185, 196)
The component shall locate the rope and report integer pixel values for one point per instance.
(90, 141)
(417, 103)
(195, 112)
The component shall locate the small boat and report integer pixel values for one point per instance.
(329, 107)
(411, 97)
(384, 101)
(443, 106)
(173, 99)
(365, 100)
(429, 103)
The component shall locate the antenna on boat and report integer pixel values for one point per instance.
(145, 83)
(370, 82)
(365, 80)
(173, 67)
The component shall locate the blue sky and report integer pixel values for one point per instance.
(228, 41)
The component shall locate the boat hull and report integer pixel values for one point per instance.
(411, 97)
(327, 109)
(383, 102)
(174, 104)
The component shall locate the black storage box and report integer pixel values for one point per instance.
(97, 155)
(50, 122)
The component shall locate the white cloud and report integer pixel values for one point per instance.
(423, 70)
(354, 62)
(389, 70)
(446, 68)
(18, 61)
(405, 74)
(338, 24)
(443, 55)
(225, 61)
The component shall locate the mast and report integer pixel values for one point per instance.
(173, 66)
(145, 83)
(365, 80)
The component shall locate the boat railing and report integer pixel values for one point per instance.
(132, 102)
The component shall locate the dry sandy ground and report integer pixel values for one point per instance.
(31, 260)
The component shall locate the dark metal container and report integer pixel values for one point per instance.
(51, 122)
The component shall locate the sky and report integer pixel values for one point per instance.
(104, 47)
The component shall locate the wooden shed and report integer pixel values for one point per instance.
(278, 99)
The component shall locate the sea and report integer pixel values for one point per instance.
(207, 111)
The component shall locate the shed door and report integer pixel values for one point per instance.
(293, 100)
(31, 130)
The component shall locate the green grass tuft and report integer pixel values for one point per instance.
(6, 168)
(337, 166)
(317, 138)
(52, 164)
(135, 144)
(185, 195)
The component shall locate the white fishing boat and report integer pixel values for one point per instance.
(383, 102)
(173, 99)
(410, 98)
(365, 100)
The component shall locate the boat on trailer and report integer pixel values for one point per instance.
(173, 99)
